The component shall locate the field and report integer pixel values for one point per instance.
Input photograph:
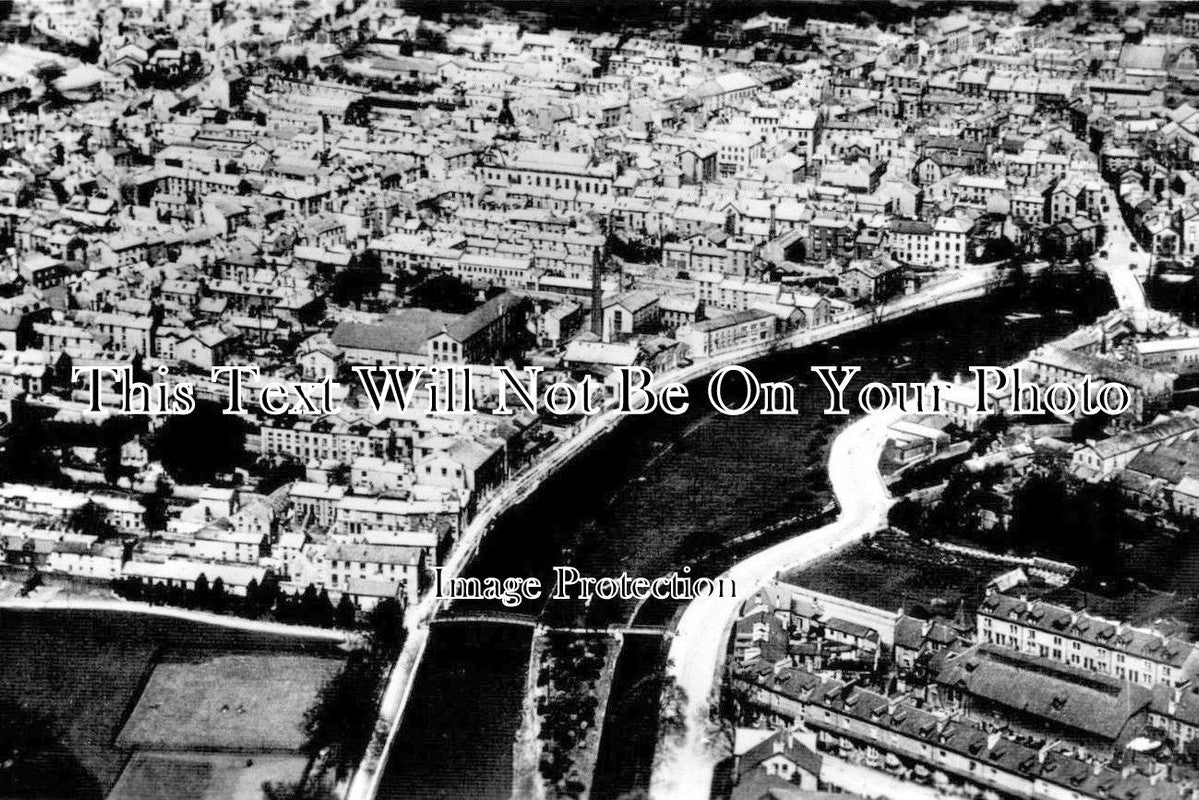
(891, 571)
(203, 776)
(233, 702)
(84, 672)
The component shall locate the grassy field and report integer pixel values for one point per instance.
(253, 702)
(203, 776)
(85, 670)
(892, 571)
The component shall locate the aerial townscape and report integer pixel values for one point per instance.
(250, 248)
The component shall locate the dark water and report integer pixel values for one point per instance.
(462, 718)
(663, 491)
(630, 725)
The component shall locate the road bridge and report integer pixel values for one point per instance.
(530, 621)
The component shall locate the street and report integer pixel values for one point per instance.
(698, 649)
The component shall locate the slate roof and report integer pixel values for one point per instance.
(1100, 705)
(406, 332)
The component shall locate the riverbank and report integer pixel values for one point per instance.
(683, 769)
(967, 285)
(598, 517)
(662, 491)
(684, 766)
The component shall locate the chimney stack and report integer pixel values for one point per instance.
(597, 290)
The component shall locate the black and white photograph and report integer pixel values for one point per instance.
(599, 400)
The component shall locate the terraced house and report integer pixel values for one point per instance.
(1079, 639)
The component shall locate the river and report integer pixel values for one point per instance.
(658, 493)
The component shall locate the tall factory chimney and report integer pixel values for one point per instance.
(598, 259)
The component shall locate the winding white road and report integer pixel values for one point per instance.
(965, 285)
(683, 770)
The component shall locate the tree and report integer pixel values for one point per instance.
(202, 593)
(385, 628)
(443, 292)
(1191, 750)
(218, 597)
(279, 472)
(155, 516)
(309, 605)
(358, 113)
(111, 442)
(340, 475)
(339, 725)
(346, 614)
(129, 588)
(361, 279)
(260, 596)
(156, 594)
(253, 598)
(91, 519)
(324, 610)
(286, 608)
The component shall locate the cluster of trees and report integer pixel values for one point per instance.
(358, 113)
(172, 75)
(29, 455)
(314, 607)
(571, 668)
(311, 607)
(91, 518)
(1053, 249)
(443, 292)
(360, 280)
(194, 447)
(32, 443)
(1072, 521)
(638, 251)
(277, 472)
(204, 596)
(340, 723)
(1050, 514)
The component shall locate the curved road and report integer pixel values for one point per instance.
(364, 785)
(683, 770)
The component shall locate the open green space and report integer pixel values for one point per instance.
(79, 674)
(242, 702)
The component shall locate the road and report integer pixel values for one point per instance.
(683, 771)
(964, 285)
(205, 617)
(1121, 262)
